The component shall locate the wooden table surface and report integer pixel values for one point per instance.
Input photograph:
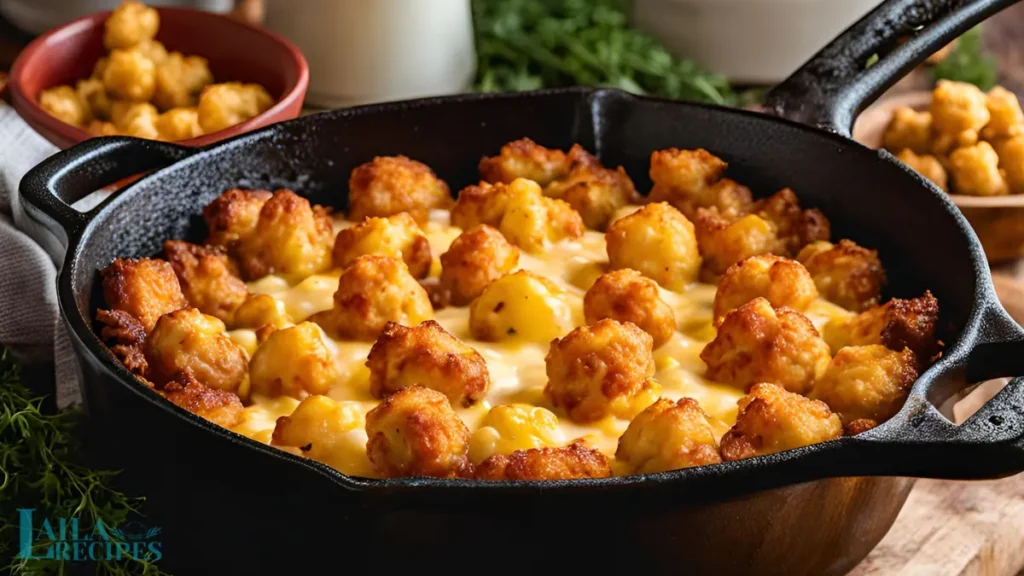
(946, 528)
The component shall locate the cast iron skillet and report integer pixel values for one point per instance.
(230, 505)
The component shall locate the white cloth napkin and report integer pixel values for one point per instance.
(30, 325)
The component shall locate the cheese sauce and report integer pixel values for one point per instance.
(517, 369)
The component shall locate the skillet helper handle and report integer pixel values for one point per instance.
(49, 189)
(836, 84)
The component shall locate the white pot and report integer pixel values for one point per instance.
(749, 41)
(362, 51)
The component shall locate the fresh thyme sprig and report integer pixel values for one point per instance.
(39, 469)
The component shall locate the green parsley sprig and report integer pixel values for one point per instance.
(968, 62)
(532, 44)
(39, 469)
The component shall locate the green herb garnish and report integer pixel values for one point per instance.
(39, 469)
(968, 62)
(531, 44)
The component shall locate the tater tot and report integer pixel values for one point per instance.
(975, 171)
(129, 24)
(97, 128)
(129, 75)
(135, 119)
(178, 124)
(868, 383)
(794, 226)
(293, 362)
(657, 241)
(153, 50)
(571, 462)
(1005, 116)
(146, 288)
(957, 107)
(224, 105)
(897, 324)
(781, 281)
(773, 420)
(668, 435)
(398, 236)
(626, 295)
(232, 216)
(908, 129)
(372, 291)
(724, 242)
(592, 190)
(291, 236)
(522, 306)
(428, 355)
(680, 175)
(207, 277)
(218, 406)
(327, 431)
(190, 342)
(474, 259)
(125, 335)
(1011, 160)
(388, 185)
(524, 158)
(259, 310)
(94, 94)
(179, 81)
(758, 343)
(600, 370)
(926, 165)
(845, 273)
(65, 104)
(415, 432)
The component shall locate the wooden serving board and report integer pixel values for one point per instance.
(959, 528)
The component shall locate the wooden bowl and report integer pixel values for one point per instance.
(997, 220)
(236, 52)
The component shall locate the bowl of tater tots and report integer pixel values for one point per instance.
(170, 74)
(969, 143)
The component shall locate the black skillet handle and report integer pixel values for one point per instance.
(836, 84)
(48, 190)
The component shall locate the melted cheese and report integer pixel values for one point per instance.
(517, 369)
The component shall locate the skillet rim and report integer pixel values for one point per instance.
(954, 357)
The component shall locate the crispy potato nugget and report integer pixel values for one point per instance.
(130, 75)
(592, 190)
(178, 124)
(65, 104)
(758, 343)
(388, 185)
(520, 306)
(93, 93)
(179, 81)
(958, 107)
(129, 24)
(657, 241)
(773, 420)
(189, 342)
(224, 105)
(293, 362)
(897, 324)
(975, 171)
(794, 226)
(218, 406)
(724, 242)
(207, 277)
(845, 273)
(125, 335)
(232, 216)
(136, 119)
(415, 432)
(259, 310)
(97, 128)
(398, 236)
(628, 296)
(668, 436)
(600, 370)
(567, 463)
(781, 281)
(1005, 116)
(908, 129)
(524, 158)
(692, 179)
(152, 50)
(290, 237)
(327, 431)
(426, 354)
(476, 258)
(373, 291)
(146, 288)
(926, 165)
(868, 383)
(1011, 160)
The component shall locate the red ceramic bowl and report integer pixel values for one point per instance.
(236, 52)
